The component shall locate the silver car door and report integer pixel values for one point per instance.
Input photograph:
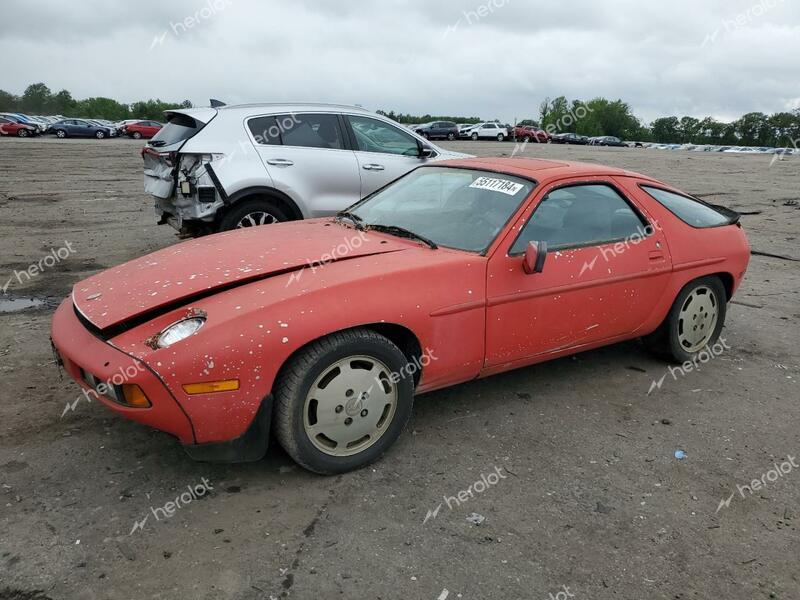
(384, 152)
(308, 159)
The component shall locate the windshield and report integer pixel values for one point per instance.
(459, 208)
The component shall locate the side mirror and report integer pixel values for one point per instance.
(535, 254)
(425, 151)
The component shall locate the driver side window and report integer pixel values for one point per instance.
(376, 136)
(581, 215)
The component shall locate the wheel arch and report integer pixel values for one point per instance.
(283, 200)
(401, 336)
(727, 282)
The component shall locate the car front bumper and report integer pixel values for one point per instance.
(82, 353)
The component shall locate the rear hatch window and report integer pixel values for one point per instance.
(178, 129)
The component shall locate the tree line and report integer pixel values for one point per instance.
(601, 116)
(595, 117)
(37, 99)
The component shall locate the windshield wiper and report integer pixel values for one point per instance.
(346, 214)
(402, 232)
(157, 143)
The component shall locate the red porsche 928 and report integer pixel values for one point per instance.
(322, 331)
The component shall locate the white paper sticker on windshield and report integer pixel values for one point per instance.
(494, 184)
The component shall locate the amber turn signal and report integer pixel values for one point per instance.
(134, 396)
(210, 387)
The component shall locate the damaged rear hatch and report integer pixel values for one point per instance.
(161, 153)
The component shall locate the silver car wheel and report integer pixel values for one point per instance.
(350, 406)
(697, 319)
(254, 219)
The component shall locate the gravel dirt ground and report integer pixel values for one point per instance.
(591, 501)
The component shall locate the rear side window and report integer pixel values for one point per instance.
(304, 130)
(690, 211)
(265, 130)
(179, 128)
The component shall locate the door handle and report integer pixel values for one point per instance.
(373, 167)
(656, 255)
(281, 162)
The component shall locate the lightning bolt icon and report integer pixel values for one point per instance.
(432, 513)
(587, 266)
(138, 524)
(158, 40)
(725, 503)
(656, 384)
(519, 148)
(710, 38)
(451, 28)
(70, 407)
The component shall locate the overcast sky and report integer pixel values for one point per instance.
(498, 59)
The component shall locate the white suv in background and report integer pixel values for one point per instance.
(225, 167)
(486, 131)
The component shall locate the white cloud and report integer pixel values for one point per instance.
(399, 55)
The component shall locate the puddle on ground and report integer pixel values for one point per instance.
(10, 304)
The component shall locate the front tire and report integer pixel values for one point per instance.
(60, 133)
(694, 322)
(474, 137)
(252, 213)
(136, 135)
(339, 405)
(500, 137)
(22, 133)
(99, 135)
(451, 136)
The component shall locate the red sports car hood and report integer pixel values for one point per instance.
(220, 261)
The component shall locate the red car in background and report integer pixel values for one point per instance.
(142, 129)
(526, 133)
(9, 127)
(322, 331)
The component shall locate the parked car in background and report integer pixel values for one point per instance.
(20, 118)
(79, 128)
(526, 133)
(486, 131)
(444, 130)
(463, 270)
(609, 140)
(10, 127)
(215, 169)
(141, 129)
(112, 131)
(569, 138)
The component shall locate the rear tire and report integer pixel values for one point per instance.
(694, 322)
(252, 213)
(336, 408)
